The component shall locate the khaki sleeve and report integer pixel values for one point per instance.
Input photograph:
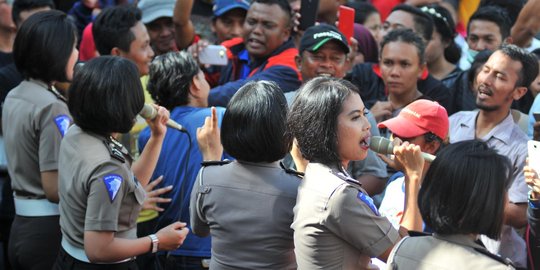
(357, 222)
(107, 188)
(54, 120)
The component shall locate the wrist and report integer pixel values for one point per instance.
(154, 243)
(534, 202)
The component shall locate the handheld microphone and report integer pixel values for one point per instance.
(149, 112)
(385, 146)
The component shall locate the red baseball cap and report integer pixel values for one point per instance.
(417, 118)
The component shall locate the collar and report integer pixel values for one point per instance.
(502, 131)
(459, 239)
(285, 46)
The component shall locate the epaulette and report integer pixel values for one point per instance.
(206, 163)
(291, 171)
(117, 150)
(353, 182)
(57, 94)
(504, 261)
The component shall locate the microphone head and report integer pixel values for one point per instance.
(148, 112)
(381, 145)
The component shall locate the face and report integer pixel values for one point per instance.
(161, 32)
(435, 48)
(396, 20)
(400, 67)
(265, 29)
(497, 83)
(329, 60)
(204, 88)
(484, 35)
(353, 130)
(71, 63)
(229, 25)
(373, 24)
(535, 85)
(140, 50)
(5, 16)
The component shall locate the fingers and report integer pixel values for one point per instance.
(160, 191)
(153, 183)
(214, 119)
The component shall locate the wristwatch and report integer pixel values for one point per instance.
(155, 242)
(533, 203)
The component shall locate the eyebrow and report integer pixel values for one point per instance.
(355, 111)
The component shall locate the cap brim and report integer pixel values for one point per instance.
(324, 41)
(153, 15)
(229, 8)
(402, 127)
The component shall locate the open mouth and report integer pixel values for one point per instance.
(484, 91)
(324, 75)
(365, 142)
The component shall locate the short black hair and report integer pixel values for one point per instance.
(362, 10)
(495, 15)
(27, 5)
(112, 28)
(464, 190)
(423, 24)
(253, 127)
(512, 7)
(445, 26)
(313, 119)
(283, 4)
(529, 64)
(106, 95)
(406, 35)
(43, 46)
(170, 77)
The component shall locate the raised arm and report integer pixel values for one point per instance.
(184, 30)
(527, 24)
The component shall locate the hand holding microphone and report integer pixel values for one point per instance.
(148, 112)
(385, 146)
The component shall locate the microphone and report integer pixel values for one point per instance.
(149, 112)
(385, 146)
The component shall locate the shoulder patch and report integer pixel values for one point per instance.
(62, 123)
(112, 183)
(367, 200)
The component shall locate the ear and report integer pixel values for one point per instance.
(213, 26)
(116, 51)
(298, 61)
(195, 86)
(519, 92)
(423, 67)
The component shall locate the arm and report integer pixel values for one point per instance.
(184, 30)
(515, 214)
(144, 166)
(198, 225)
(102, 246)
(285, 77)
(527, 24)
(49, 181)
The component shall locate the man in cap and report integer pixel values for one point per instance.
(424, 123)
(228, 20)
(157, 16)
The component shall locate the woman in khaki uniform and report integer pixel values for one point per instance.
(101, 193)
(462, 196)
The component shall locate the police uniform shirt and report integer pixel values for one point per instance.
(248, 208)
(443, 252)
(34, 121)
(98, 191)
(336, 225)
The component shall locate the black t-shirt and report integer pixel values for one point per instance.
(5, 59)
(372, 89)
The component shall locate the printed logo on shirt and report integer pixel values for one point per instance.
(112, 183)
(62, 123)
(367, 200)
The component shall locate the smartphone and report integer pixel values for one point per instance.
(533, 148)
(346, 22)
(308, 13)
(214, 55)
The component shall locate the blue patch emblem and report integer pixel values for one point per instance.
(367, 200)
(112, 183)
(62, 123)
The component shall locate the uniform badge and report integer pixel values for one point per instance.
(367, 200)
(112, 183)
(62, 123)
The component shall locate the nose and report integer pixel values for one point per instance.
(236, 30)
(480, 45)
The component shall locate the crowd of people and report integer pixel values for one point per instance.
(122, 148)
